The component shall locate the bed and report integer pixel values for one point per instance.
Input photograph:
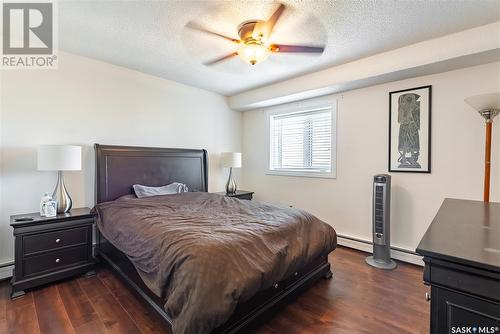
(119, 167)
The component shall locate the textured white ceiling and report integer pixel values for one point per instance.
(151, 36)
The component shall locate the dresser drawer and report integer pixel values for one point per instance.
(451, 310)
(55, 260)
(53, 240)
(474, 281)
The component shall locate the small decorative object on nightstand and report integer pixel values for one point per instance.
(51, 248)
(241, 194)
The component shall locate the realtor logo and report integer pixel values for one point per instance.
(28, 35)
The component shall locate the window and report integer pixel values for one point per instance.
(301, 143)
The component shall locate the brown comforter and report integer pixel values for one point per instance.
(204, 252)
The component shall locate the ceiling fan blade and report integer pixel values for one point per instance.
(195, 26)
(217, 60)
(281, 48)
(274, 18)
(264, 29)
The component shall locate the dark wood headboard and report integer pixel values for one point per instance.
(118, 168)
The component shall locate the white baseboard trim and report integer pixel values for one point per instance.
(366, 246)
(6, 271)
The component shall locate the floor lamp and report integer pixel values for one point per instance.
(488, 106)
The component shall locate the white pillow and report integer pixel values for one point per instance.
(173, 188)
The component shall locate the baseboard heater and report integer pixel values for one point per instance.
(398, 253)
(6, 270)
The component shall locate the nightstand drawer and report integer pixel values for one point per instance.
(55, 260)
(53, 240)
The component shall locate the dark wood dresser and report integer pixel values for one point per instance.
(51, 248)
(461, 250)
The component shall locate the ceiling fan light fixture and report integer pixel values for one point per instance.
(253, 44)
(253, 52)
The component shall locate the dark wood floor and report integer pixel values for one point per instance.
(359, 299)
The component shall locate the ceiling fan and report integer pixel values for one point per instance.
(253, 46)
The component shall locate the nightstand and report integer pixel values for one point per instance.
(241, 194)
(48, 249)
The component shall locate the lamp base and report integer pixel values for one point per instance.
(61, 196)
(231, 184)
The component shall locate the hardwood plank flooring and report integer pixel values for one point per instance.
(359, 299)
(51, 312)
(21, 316)
(3, 304)
(80, 310)
(114, 317)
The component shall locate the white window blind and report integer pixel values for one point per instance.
(301, 142)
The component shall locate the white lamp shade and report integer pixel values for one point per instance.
(59, 157)
(484, 101)
(230, 159)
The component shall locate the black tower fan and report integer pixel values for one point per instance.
(381, 218)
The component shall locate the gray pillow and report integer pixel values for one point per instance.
(173, 188)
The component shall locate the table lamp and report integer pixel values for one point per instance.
(230, 160)
(488, 106)
(60, 158)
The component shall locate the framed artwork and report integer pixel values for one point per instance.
(410, 130)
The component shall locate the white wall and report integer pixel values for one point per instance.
(86, 101)
(345, 202)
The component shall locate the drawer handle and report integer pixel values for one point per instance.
(427, 296)
(58, 241)
(58, 260)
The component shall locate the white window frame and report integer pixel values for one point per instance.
(300, 107)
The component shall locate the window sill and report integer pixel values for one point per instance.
(331, 175)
